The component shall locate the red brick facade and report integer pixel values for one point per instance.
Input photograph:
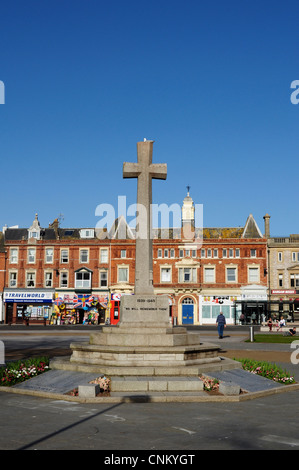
(199, 279)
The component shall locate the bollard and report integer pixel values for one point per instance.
(251, 333)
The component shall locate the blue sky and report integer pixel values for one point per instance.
(209, 82)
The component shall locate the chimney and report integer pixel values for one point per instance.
(267, 225)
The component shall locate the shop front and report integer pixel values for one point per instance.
(284, 302)
(71, 309)
(30, 306)
(252, 307)
(212, 305)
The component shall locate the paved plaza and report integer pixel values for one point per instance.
(268, 422)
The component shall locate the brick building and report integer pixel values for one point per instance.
(283, 261)
(55, 270)
(69, 275)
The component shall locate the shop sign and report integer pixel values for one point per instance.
(219, 299)
(277, 291)
(28, 297)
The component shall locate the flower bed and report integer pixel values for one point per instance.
(210, 385)
(268, 370)
(16, 372)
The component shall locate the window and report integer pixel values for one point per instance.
(34, 234)
(215, 253)
(294, 278)
(172, 253)
(30, 280)
(252, 253)
(159, 253)
(231, 253)
(188, 301)
(295, 256)
(165, 274)
(123, 274)
(123, 253)
(181, 253)
(280, 280)
(64, 276)
(13, 279)
(13, 255)
(49, 279)
(103, 278)
(209, 275)
(237, 252)
(83, 280)
(203, 253)
(253, 275)
(31, 255)
(165, 252)
(224, 253)
(84, 256)
(279, 256)
(87, 233)
(193, 253)
(64, 256)
(187, 252)
(49, 255)
(187, 274)
(209, 253)
(231, 274)
(104, 255)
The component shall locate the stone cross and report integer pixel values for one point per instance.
(145, 171)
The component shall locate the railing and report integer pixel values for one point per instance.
(284, 240)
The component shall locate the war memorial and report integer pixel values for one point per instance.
(144, 352)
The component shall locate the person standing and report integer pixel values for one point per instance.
(221, 324)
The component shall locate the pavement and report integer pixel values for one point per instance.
(56, 384)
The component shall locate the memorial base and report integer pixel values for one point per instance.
(144, 344)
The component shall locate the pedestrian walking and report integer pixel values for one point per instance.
(221, 324)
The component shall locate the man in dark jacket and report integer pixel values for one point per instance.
(221, 323)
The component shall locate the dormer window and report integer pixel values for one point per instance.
(87, 233)
(34, 230)
(34, 234)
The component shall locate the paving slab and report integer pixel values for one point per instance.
(57, 381)
(247, 381)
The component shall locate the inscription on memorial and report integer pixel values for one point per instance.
(146, 305)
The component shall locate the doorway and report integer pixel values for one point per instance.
(187, 311)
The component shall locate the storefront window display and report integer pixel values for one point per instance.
(74, 309)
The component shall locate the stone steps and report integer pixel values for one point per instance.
(156, 384)
(111, 371)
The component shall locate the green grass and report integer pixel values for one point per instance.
(273, 338)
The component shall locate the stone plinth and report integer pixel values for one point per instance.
(144, 343)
